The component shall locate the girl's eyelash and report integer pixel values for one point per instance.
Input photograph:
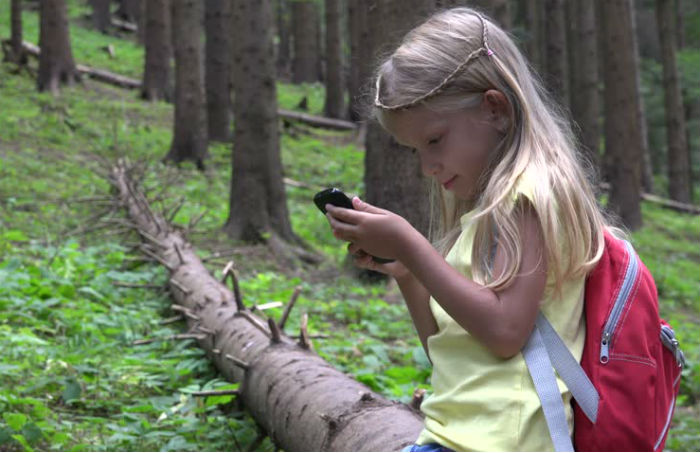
(434, 141)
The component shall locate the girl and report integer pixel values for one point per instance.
(518, 228)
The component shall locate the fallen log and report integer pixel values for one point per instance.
(301, 401)
(317, 121)
(109, 77)
(124, 25)
(665, 202)
(94, 73)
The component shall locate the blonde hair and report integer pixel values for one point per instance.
(447, 64)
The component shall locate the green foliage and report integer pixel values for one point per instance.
(68, 367)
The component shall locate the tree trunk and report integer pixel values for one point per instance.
(393, 176)
(190, 126)
(320, 44)
(585, 104)
(556, 74)
(677, 153)
(680, 24)
(305, 23)
(360, 66)
(56, 65)
(101, 14)
(647, 172)
(536, 38)
(157, 74)
(623, 138)
(130, 10)
(285, 44)
(334, 107)
(500, 11)
(301, 401)
(133, 11)
(258, 203)
(14, 51)
(572, 26)
(217, 22)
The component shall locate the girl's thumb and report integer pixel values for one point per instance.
(363, 206)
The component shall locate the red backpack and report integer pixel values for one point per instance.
(626, 385)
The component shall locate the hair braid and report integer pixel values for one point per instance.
(484, 50)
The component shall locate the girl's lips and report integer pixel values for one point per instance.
(447, 184)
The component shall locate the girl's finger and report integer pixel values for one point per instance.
(344, 215)
(335, 223)
(342, 230)
(365, 262)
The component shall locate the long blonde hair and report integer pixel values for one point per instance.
(446, 64)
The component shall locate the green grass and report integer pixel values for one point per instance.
(69, 379)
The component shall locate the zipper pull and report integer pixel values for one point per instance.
(604, 346)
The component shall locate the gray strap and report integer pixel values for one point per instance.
(537, 360)
(569, 369)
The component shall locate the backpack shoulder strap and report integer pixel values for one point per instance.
(540, 367)
(569, 369)
(544, 352)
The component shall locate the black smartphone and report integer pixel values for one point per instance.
(333, 196)
(336, 197)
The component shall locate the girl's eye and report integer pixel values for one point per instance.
(413, 150)
(434, 141)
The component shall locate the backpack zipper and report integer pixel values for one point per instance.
(620, 302)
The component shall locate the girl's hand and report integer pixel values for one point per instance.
(376, 231)
(364, 260)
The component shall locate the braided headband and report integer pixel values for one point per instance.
(484, 50)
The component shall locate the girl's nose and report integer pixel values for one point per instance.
(430, 168)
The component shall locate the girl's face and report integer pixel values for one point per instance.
(454, 148)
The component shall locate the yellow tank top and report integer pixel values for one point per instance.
(480, 402)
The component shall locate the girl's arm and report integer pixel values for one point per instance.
(414, 293)
(418, 302)
(501, 320)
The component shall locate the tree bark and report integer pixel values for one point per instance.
(677, 152)
(647, 172)
(16, 25)
(393, 176)
(305, 22)
(56, 65)
(190, 125)
(130, 10)
(623, 138)
(284, 53)
(534, 45)
(334, 106)
(360, 66)
(258, 203)
(556, 73)
(585, 104)
(13, 49)
(301, 401)
(680, 24)
(217, 29)
(157, 74)
(101, 14)
(501, 12)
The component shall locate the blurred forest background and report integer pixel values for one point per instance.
(231, 114)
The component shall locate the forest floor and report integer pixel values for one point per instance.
(69, 378)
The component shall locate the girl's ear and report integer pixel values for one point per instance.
(496, 105)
